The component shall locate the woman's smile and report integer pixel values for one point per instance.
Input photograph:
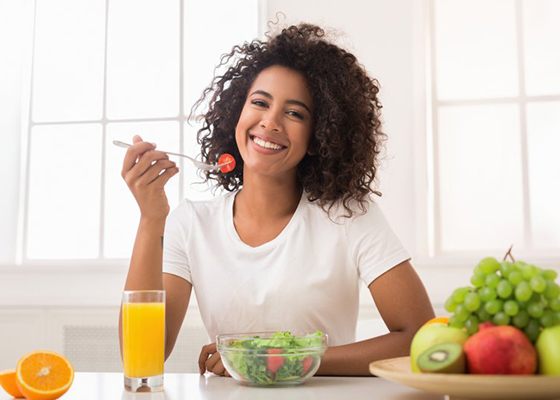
(265, 145)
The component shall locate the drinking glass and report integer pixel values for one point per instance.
(143, 339)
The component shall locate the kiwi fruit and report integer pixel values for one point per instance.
(443, 358)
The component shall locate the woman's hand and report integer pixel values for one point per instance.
(209, 360)
(146, 171)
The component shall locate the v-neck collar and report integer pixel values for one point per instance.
(234, 236)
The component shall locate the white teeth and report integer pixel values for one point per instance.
(265, 144)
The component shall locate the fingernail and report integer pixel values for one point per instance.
(153, 144)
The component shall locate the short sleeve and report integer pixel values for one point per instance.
(175, 241)
(375, 247)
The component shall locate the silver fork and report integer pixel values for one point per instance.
(199, 164)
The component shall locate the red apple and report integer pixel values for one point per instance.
(500, 350)
(484, 325)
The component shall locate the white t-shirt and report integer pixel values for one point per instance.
(305, 279)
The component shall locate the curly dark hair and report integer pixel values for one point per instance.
(346, 141)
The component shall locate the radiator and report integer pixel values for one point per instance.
(95, 348)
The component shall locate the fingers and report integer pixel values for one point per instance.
(214, 364)
(204, 354)
(145, 161)
(157, 169)
(134, 152)
(209, 360)
(163, 178)
(150, 165)
(217, 367)
(146, 171)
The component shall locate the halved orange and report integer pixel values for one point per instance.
(8, 382)
(44, 375)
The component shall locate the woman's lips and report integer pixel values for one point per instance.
(265, 145)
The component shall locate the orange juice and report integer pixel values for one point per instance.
(143, 330)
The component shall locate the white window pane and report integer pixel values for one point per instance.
(542, 46)
(232, 23)
(543, 120)
(143, 59)
(480, 178)
(64, 192)
(68, 60)
(121, 211)
(195, 188)
(475, 49)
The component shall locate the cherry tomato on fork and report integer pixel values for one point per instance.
(229, 162)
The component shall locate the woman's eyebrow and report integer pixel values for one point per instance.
(291, 101)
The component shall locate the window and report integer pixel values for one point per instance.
(495, 68)
(105, 70)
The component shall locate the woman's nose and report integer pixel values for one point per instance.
(270, 123)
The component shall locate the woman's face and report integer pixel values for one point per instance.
(274, 128)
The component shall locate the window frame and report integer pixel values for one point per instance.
(101, 262)
(428, 204)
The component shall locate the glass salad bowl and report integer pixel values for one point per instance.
(271, 359)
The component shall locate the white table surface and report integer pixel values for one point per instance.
(109, 386)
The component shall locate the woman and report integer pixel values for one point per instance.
(286, 248)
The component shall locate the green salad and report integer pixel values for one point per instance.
(281, 357)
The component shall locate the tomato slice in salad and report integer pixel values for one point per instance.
(307, 363)
(274, 363)
(229, 162)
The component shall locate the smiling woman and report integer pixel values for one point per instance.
(303, 101)
(300, 226)
(60, 281)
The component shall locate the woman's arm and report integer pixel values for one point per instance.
(403, 304)
(145, 272)
(177, 296)
(146, 171)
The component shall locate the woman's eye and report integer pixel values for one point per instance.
(295, 114)
(259, 103)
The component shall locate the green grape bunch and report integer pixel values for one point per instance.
(507, 293)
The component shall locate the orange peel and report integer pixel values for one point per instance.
(438, 320)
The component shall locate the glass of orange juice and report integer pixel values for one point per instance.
(143, 339)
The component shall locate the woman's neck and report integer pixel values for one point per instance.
(264, 197)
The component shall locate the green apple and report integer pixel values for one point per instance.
(431, 334)
(548, 349)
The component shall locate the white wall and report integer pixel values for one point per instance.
(14, 23)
